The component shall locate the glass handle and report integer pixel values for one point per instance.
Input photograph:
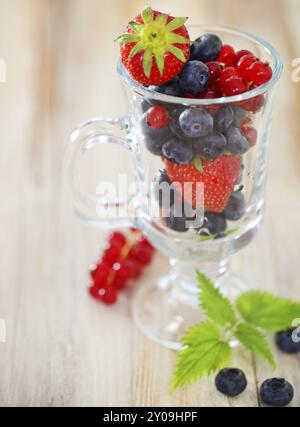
(87, 206)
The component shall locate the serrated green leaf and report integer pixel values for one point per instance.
(216, 307)
(147, 62)
(198, 164)
(161, 19)
(176, 52)
(176, 23)
(205, 353)
(135, 26)
(254, 340)
(176, 38)
(147, 15)
(267, 311)
(128, 38)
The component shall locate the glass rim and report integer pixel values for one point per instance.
(277, 70)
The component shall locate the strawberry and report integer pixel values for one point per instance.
(218, 176)
(155, 47)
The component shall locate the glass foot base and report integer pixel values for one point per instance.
(163, 310)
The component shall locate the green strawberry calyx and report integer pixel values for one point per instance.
(155, 37)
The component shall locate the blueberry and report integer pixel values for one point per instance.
(179, 216)
(235, 208)
(214, 223)
(154, 145)
(236, 142)
(195, 123)
(239, 114)
(206, 48)
(223, 119)
(174, 125)
(285, 342)
(154, 138)
(171, 88)
(164, 193)
(194, 77)
(231, 381)
(276, 392)
(178, 151)
(211, 146)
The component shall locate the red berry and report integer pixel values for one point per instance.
(117, 236)
(94, 291)
(100, 273)
(226, 73)
(251, 135)
(214, 71)
(112, 252)
(135, 270)
(158, 117)
(107, 295)
(244, 64)
(240, 53)
(188, 95)
(253, 104)
(227, 55)
(122, 274)
(234, 86)
(260, 73)
(141, 254)
(146, 243)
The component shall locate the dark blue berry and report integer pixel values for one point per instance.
(276, 392)
(231, 381)
(223, 119)
(172, 88)
(174, 124)
(235, 208)
(211, 146)
(163, 191)
(236, 142)
(154, 138)
(178, 151)
(154, 145)
(206, 48)
(194, 77)
(285, 342)
(239, 114)
(213, 223)
(181, 216)
(196, 123)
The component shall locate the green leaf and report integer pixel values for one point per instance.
(176, 52)
(147, 15)
(205, 353)
(139, 47)
(254, 340)
(267, 311)
(147, 62)
(176, 38)
(135, 26)
(176, 23)
(161, 19)
(216, 307)
(198, 164)
(159, 56)
(128, 38)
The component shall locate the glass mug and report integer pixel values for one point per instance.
(164, 308)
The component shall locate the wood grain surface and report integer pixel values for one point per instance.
(62, 348)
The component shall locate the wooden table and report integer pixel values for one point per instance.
(63, 348)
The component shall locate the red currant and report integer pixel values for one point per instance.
(122, 274)
(244, 64)
(251, 135)
(253, 104)
(240, 53)
(260, 73)
(158, 117)
(214, 71)
(135, 270)
(227, 55)
(94, 291)
(226, 73)
(146, 243)
(141, 254)
(117, 236)
(234, 86)
(112, 252)
(108, 295)
(100, 273)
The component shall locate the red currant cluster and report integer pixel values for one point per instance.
(123, 259)
(235, 73)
